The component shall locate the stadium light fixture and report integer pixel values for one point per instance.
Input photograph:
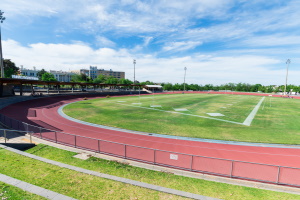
(287, 72)
(1, 57)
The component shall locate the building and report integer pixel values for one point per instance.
(62, 76)
(93, 72)
(28, 72)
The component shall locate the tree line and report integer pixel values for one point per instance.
(241, 87)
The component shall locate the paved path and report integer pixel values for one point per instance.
(114, 178)
(33, 188)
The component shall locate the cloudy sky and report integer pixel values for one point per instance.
(219, 41)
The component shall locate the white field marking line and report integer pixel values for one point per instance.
(174, 112)
(251, 116)
(79, 127)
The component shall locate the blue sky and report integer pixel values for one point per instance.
(219, 41)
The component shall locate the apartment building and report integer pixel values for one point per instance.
(93, 72)
(28, 72)
(62, 76)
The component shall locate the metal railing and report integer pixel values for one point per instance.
(5, 133)
(216, 166)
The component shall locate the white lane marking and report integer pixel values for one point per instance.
(251, 116)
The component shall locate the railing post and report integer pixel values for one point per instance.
(192, 158)
(125, 150)
(154, 157)
(55, 137)
(278, 175)
(30, 136)
(231, 171)
(99, 146)
(75, 141)
(4, 136)
(41, 133)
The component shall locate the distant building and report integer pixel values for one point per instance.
(93, 72)
(28, 72)
(58, 75)
(62, 76)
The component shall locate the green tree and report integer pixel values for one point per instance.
(9, 68)
(40, 74)
(167, 86)
(48, 77)
(80, 78)
(111, 80)
(100, 79)
(125, 81)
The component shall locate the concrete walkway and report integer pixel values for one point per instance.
(114, 178)
(33, 189)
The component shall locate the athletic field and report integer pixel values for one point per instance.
(212, 116)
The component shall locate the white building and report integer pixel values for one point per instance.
(93, 72)
(28, 72)
(62, 76)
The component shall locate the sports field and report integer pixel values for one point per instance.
(224, 117)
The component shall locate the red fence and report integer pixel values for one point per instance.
(227, 168)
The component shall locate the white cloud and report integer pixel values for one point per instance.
(181, 46)
(202, 68)
(104, 42)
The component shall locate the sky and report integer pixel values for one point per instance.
(218, 41)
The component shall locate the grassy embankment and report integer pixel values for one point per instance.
(88, 187)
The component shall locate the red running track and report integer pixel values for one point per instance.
(43, 112)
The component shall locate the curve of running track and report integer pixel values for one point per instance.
(47, 116)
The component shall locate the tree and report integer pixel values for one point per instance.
(48, 77)
(40, 74)
(100, 79)
(80, 78)
(125, 81)
(111, 80)
(9, 68)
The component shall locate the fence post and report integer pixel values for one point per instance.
(278, 175)
(75, 141)
(30, 136)
(154, 157)
(192, 158)
(99, 146)
(41, 133)
(125, 150)
(4, 136)
(55, 137)
(231, 169)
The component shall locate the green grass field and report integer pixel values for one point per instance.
(277, 119)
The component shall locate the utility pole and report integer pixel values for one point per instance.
(1, 56)
(287, 72)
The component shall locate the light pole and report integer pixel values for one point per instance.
(184, 79)
(134, 62)
(287, 72)
(1, 57)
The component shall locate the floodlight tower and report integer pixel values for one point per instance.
(184, 79)
(287, 72)
(134, 62)
(1, 57)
